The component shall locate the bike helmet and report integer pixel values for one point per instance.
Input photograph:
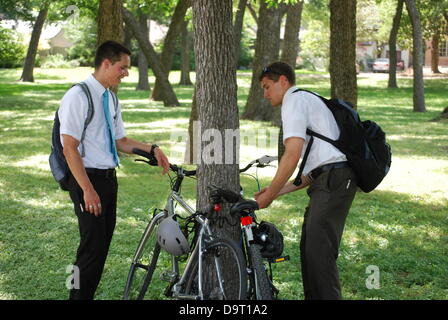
(171, 238)
(270, 239)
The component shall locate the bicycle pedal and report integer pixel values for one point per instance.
(279, 259)
(168, 276)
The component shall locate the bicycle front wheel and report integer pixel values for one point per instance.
(144, 264)
(224, 274)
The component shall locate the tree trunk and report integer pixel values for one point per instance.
(110, 21)
(170, 98)
(128, 36)
(110, 24)
(435, 52)
(417, 57)
(343, 50)
(289, 54)
(252, 11)
(143, 83)
(185, 55)
(169, 44)
(393, 46)
(191, 155)
(266, 51)
(30, 60)
(216, 98)
(237, 29)
(290, 46)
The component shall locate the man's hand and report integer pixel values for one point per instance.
(92, 202)
(162, 160)
(127, 144)
(264, 198)
(287, 165)
(257, 194)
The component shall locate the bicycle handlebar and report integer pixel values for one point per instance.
(153, 162)
(260, 162)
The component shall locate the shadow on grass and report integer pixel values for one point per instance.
(406, 239)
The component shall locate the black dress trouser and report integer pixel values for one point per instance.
(95, 233)
(331, 195)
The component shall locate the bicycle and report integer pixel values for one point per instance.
(205, 249)
(261, 285)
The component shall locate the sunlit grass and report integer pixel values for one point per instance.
(402, 227)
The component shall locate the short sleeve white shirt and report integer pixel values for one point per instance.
(72, 115)
(303, 110)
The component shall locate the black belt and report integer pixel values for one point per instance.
(319, 170)
(107, 173)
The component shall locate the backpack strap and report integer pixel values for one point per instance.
(115, 99)
(298, 179)
(90, 112)
(312, 134)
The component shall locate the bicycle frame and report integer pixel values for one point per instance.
(193, 273)
(173, 198)
(204, 232)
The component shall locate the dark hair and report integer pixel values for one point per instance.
(111, 50)
(277, 69)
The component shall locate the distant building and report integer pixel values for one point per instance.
(443, 52)
(368, 51)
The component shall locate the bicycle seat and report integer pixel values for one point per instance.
(244, 205)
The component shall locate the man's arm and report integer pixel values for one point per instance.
(127, 144)
(92, 201)
(287, 166)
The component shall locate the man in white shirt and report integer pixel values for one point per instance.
(92, 163)
(332, 183)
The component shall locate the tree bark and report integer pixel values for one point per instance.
(170, 98)
(252, 11)
(266, 51)
(290, 46)
(435, 52)
(238, 28)
(110, 21)
(343, 50)
(216, 98)
(143, 83)
(169, 44)
(393, 46)
(190, 155)
(417, 57)
(30, 59)
(185, 55)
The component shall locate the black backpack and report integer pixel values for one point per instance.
(363, 143)
(58, 164)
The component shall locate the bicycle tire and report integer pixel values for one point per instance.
(142, 270)
(260, 278)
(237, 287)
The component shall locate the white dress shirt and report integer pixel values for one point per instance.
(302, 110)
(72, 115)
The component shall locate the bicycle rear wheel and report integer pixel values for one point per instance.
(224, 274)
(262, 289)
(144, 264)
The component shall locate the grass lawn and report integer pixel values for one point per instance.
(401, 228)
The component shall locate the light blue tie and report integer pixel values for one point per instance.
(113, 147)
